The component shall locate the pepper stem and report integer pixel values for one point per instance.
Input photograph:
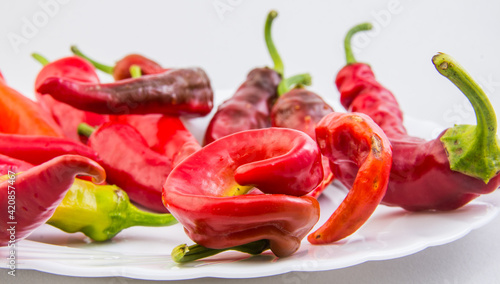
(184, 253)
(38, 57)
(136, 217)
(85, 129)
(349, 55)
(473, 150)
(278, 64)
(298, 80)
(100, 66)
(135, 71)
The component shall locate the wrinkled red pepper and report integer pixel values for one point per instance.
(20, 115)
(174, 92)
(121, 70)
(250, 106)
(205, 191)
(130, 163)
(29, 199)
(66, 116)
(446, 173)
(357, 149)
(37, 149)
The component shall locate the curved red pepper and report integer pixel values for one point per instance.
(66, 116)
(174, 92)
(20, 115)
(37, 149)
(131, 164)
(204, 192)
(422, 177)
(37, 193)
(355, 145)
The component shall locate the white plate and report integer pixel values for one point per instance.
(144, 253)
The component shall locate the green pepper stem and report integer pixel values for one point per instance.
(100, 66)
(135, 71)
(278, 64)
(85, 129)
(297, 80)
(349, 55)
(38, 57)
(184, 253)
(136, 217)
(472, 150)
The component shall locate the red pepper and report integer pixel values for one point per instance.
(250, 106)
(66, 116)
(37, 149)
(121, 70)
(174, 92)
(130, 163)
(30, 198)
(446, 173)
(9, 164)
(355, 145)
(21, 115)
(205, 191)
(302, 109)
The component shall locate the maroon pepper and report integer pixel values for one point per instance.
(250, 106)
(446, 173)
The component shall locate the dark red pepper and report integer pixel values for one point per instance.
(446, 173)
(130, 163)
(174, 92)
(66, 116)
(37, 192)
(250, 106)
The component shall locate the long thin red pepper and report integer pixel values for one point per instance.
(354, 144)
(29, 199)
(66, 116)
(175, 92)
(250, 106)
(206, 192)
(21, 115)
(442, 174)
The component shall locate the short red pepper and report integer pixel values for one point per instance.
(446, 173)
(205, 191)
(29, 199)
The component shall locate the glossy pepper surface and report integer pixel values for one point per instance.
(66, 116)
(206, 192)
(37, 192)
(251, 104)
(20, 115)
(130, 163)
(101, 212)
(174, 92)
(354, 145)
(446, 173)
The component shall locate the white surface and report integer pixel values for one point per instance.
(309, 36)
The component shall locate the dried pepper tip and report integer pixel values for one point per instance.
(295, 81)
(184, 253)
(278, 63)
(85, 130)
(135, 71)
(38, 57)
(473, 150)
(347, 41)
(100, 66)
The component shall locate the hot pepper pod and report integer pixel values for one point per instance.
(204, 194)
(175, 92)
(446, 173)
(130, 163)
(353, 141)
(66, 116)
(37, 193)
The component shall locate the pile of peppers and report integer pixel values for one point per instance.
(99, 158)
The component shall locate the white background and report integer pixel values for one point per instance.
(225, 37)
